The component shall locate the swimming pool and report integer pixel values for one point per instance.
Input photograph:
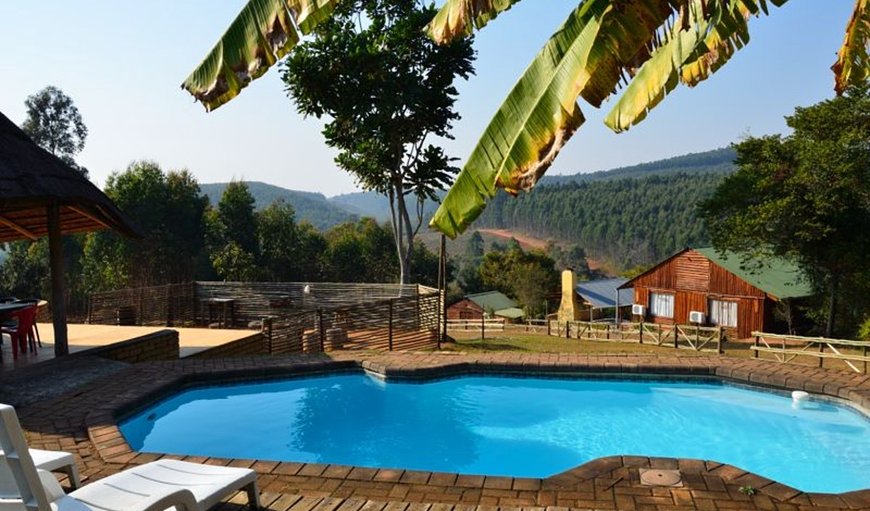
(521, 427)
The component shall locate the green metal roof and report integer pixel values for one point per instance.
(775, 276)
(510, 313)
(492, 301)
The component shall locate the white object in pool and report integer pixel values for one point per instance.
(799, 398)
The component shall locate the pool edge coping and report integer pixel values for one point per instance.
(111, 447)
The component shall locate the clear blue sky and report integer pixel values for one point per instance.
(122, 62)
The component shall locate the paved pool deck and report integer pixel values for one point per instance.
(82, 337)
(86, 423)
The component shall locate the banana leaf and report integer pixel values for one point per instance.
(587, 56)
(853, 62)
(262, 33)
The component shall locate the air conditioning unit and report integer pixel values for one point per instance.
(638, 309)
(696, 317)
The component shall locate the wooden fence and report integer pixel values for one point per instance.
(404, 323)
(169, 305)
(787, 348)
(691, 337)
(232, 304)
(294, 316)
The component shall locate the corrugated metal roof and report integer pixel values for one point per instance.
(602, 293)
(492, 300)
(510, 313)
(775, 276)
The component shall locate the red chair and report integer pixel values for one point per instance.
(23, 331)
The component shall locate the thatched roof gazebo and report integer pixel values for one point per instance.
(42, 196)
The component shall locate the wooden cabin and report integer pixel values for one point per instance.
(729, 292)
(489, 304)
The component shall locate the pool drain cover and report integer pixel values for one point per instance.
(657, 477)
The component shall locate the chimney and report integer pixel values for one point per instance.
(569, 308)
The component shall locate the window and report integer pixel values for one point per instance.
(661, 305)
(723, 313)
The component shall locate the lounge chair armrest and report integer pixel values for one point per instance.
(182, 499)
(49, 483)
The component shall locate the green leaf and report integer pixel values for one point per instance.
(588, 55)
(457, 18)
(853, 62)
(262, 33)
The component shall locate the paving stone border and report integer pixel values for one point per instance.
(86, 423)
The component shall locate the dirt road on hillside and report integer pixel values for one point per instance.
(528, 242)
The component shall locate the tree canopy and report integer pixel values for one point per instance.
(386, 90)
(805, 196)
(55, 124)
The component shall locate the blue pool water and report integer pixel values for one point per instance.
(524, 427)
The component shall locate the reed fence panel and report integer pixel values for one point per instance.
(405, 323)
(167, 305)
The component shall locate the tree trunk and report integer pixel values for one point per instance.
(832, 306)
(402, 233)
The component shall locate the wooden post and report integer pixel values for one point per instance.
(640, 335)
(719, 340)
(267, 331)
(320, 328)
(168, 307)
(443, 263)
(756, 345)
(821, 350)
(482, 326)
(865, 362)
(676, 336)
(567, 329)
(390, 329)
(58, 287)
(548, 328)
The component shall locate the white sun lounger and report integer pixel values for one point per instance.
(155, 486)
(56, 461)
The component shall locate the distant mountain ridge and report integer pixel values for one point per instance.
(323, 212)
(309, 206)
(709, 162)
(716, 161)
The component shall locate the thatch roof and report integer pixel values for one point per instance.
(31, 178)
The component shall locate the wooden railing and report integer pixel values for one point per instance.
(697, 338)
(786, 348)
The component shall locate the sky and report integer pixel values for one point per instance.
(122, 62)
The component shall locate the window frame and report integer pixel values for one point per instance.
(652, 300)
(722, 301)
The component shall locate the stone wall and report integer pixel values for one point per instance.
(255, 344)
(160, 345)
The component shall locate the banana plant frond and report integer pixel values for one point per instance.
(715, 31)
(853, 62)
(262, 33)
(459, 18)
(729, 34)
(588, 56)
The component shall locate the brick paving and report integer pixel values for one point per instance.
(85, 423)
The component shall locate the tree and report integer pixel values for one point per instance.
(474, 246)
(278, 238)
(527, 276)
(54, 123)
(647, 47)
(386, 89)
(805, 196)
(235, 213)
(168, 210)
(232, 234)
